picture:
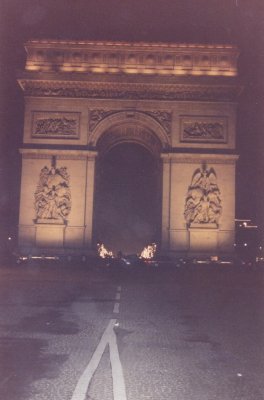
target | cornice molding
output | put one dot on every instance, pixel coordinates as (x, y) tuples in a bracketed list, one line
[(122, 44), (59, 154), (136, 58), (190, 158)]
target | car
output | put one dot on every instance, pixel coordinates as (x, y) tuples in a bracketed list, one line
[(223, 260), (125, 261), (162, 260), (260, 261), (200, 260), (22, 258)]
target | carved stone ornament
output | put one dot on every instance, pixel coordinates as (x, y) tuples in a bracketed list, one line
[(53, 196), (93, 57), (132, 133), (96, 116), (137, 91), (164, 118), (203, 129), (203, 203), (55, 125)]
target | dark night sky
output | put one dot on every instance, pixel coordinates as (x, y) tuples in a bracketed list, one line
[(224, 21)]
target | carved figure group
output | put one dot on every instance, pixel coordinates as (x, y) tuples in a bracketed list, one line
[(53, 197), (213, 130), (203, 203), (56, 126)]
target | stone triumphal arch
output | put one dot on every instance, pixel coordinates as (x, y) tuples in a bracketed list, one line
[(83, 99)]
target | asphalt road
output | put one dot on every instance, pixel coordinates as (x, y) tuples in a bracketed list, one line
[(79, 333)]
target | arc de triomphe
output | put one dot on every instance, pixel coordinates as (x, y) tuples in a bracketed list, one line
[(84, 98)]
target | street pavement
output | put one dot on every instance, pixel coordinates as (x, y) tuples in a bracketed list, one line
[(80, 332)]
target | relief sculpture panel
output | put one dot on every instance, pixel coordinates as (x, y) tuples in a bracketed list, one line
[(204, 129), (55, 125), (203, 202), (53, 195)]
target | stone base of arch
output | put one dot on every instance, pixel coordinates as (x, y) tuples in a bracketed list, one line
[(76, 234), (55, 235), (177, 235)]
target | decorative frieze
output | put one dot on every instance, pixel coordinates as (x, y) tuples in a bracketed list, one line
[(164, 118), (207, 129), (51, 125), (130, 91)]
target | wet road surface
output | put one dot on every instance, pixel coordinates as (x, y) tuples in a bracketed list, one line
[(79, 333)]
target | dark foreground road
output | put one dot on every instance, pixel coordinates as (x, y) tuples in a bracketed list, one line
[(76, 333)]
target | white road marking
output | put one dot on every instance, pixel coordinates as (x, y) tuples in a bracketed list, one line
[(119, 390), (118, 295), (119, 288), (116, 308), (3, 382)]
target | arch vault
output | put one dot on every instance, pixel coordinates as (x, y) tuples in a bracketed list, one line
[(85, 98)]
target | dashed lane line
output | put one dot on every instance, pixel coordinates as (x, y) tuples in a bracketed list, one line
[(116, 308), (118, 296)]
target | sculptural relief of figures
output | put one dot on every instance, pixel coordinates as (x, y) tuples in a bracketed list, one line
[(53, 197), (56, 126), (203, 202), (203, 130)]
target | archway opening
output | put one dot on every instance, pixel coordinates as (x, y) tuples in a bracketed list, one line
[(127, 198)]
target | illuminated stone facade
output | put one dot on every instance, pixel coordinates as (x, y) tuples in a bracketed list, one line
[(84, 98)]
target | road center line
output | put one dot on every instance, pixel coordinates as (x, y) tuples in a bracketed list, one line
[(118, 295), (3, 382), (119, 389), (116, 308), (108, 337), (119, 288)]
